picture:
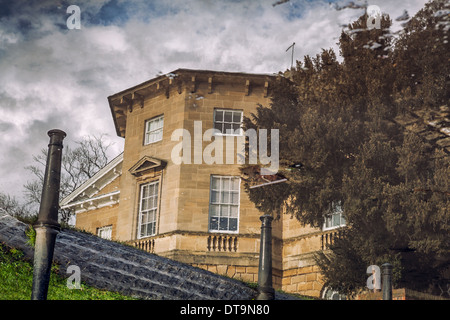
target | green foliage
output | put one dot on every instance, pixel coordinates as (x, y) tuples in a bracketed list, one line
[(421, 63), (338, 120), (31, 235), (16, 277)]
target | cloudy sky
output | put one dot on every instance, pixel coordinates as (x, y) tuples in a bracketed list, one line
[(54, 77)]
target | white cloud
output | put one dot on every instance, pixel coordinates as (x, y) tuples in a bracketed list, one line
[(52, 77)]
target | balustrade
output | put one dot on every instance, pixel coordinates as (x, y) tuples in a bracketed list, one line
[(145, 244), (222, 243), (328, 237)]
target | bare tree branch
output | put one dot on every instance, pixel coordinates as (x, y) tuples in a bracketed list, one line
[(12, 206), (78, 165)]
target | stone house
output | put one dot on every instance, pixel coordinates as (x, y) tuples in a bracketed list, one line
[(163, 194)]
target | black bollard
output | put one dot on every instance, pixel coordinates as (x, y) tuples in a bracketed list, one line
[(386, 275), (47, 226), (265, 289)]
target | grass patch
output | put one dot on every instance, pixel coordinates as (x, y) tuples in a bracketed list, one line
[(16, 277)]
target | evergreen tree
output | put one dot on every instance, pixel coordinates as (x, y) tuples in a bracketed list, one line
[(422, 63), (337, 120)]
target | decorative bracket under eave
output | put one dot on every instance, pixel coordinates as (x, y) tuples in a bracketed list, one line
[(139, 98), (247, 87), (210, 85), (128, 102), (193, 84)]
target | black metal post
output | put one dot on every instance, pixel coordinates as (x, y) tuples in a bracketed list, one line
[(265, 289), (386, 274), (47, 226)]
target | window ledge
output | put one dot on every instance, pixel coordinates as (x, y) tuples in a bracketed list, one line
[(227, 134), (333, 228)]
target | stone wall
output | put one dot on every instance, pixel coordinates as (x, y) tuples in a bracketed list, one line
[(307, 280), (102, 217), (116, 267)]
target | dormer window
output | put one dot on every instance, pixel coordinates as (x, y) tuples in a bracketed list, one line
[(154, 130)]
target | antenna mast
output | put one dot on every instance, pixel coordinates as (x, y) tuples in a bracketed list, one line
[(292, 56)]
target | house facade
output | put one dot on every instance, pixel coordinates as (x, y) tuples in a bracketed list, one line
[(177, 191)]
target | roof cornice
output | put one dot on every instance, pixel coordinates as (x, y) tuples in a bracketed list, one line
[(97, 202), (91, 186), (123, 102)]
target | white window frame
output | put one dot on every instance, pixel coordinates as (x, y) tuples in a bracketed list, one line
[(335, 218), (223, 122), (159, 120), (150, 212), (105, 232), (221, 200)]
